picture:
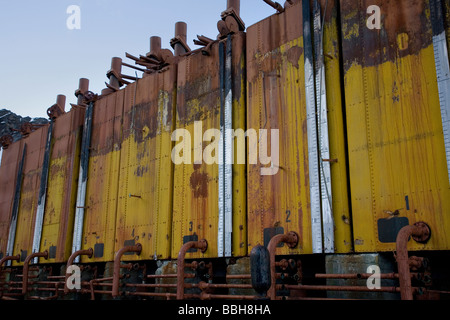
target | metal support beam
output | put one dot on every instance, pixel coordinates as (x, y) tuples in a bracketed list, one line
[(225, 180), (82, 181), (40, 211)]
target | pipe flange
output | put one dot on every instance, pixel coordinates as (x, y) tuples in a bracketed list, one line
[(425, 234), (294, 240), (138, 249), (203, 245)]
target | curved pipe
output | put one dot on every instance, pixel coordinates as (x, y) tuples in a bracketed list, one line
[(3, 260), (202, 245), (291, 239), (420, 232), (26, 265), (8, 258), (116, 274), (89, 252)]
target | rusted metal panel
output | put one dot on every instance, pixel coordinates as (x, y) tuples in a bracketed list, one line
[(36, 142), (398, 166), (8, 176), (196, 183), (279, 203), (102, 185), (61, 191), (146, 171)]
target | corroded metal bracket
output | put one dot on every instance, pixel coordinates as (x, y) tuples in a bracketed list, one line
[(6, 141)]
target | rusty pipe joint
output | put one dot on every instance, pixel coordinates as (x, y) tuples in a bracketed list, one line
[(179, 42), (202, 245), (6, 140), (58, 108), (116, 274), (291, 239), (26, 266), (155, 48), (419, 232), (89, 252), (83, 87), (231, 21), (115, 76)]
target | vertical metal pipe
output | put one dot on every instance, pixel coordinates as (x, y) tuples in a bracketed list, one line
[(89, 252), (155, 47), (420, 231), (235, 4), (26, 265), (83, 87), (116, 273), (291, 239), (61, 101), (181, 32), (116, 68), (202, 245)]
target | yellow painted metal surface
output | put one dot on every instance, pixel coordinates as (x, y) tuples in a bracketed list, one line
[(338, 155), (144, 213), (195, 206), (395, 136), (29, 196), (57, 226), (279, 203), (103, 178)]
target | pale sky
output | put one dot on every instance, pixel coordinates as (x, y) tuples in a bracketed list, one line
[(41, 58)]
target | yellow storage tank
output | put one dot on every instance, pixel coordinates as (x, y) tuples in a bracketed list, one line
[(34, 157), (277, 100), (198, 184), (103, 183), (397, 157), (144, 207), (9, 172), (61, 195)]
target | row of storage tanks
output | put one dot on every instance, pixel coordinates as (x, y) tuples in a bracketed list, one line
[(387, 146)]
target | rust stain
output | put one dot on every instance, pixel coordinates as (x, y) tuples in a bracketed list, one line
[(293, 55), (199, 184), (405, 30)]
